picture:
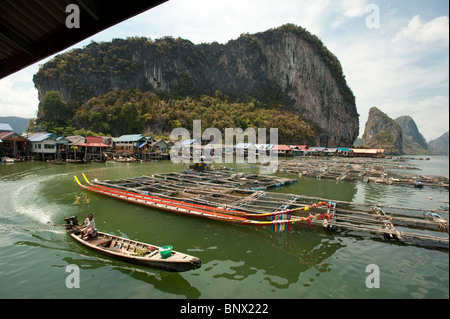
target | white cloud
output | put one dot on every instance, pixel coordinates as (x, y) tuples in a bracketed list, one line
[(429, 32), (208, 21), (399, 75), (429, 114), (432, 116), (353, 8), (345, 10), (18, 97)]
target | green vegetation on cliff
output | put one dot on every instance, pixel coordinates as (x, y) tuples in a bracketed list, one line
[(133, 111)]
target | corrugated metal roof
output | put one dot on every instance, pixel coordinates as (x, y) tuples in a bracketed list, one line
[(5, 127), (94, 141), (13, 135), (130, 138), (281, 148), (76, 139), (42, 137)]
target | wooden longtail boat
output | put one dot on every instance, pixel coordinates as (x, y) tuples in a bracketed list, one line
[(192, 209), (136, 252)]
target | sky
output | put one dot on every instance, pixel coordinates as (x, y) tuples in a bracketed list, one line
[(394, 53)]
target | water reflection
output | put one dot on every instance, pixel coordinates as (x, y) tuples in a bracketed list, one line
[(323, 188), (172, 283), (278, 259)]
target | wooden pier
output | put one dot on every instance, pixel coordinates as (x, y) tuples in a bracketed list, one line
[(250, 193)]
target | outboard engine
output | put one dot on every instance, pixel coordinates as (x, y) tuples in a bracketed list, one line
[(71, 222)]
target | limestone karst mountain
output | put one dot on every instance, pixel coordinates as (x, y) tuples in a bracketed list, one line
[(286, 68), (439, 145), (399, 136)]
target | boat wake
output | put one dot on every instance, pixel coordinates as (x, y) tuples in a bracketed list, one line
[(26, 200)]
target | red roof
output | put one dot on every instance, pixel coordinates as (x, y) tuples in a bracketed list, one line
[(281, 148), (94, 141), (302, 147)]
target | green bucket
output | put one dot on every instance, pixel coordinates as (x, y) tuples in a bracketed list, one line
[(165, 251)]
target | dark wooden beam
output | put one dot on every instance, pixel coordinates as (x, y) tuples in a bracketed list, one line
[(101, 15)]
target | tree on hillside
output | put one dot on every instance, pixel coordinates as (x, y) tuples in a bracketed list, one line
[(55, 109)]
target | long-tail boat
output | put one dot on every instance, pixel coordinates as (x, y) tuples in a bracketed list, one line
[(279, 220), (133, 251)]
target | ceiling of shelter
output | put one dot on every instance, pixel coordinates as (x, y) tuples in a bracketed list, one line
[(31, 30)]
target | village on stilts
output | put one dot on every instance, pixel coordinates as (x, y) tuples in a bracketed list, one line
[(245, 198)]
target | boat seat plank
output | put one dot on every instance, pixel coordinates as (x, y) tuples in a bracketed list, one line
[(153, 254), (113, 243), (99, 241)]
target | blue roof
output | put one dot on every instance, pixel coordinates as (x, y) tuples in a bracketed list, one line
[(62, 140), (130, 138), (142, 144), (42, 137), (5, 127)]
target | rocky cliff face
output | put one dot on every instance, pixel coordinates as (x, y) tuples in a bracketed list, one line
[(399, 136), (413, 141), (287, 67), (439, 146), (382, 132)]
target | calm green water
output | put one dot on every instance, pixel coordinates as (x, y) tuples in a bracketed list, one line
[(238, 261)]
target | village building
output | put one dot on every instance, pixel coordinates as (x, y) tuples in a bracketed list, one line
[(130, 143), (263, 149), (344, 151), (283, 150), (75, 151), (160, 146), (316, 150), (12, 145), (330, 151), (108, 140), (364, 152), (48, 146), (94, 148), (135, 145), (298, 150)]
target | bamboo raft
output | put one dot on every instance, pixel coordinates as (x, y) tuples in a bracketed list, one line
[(223, 177), (239, 199), (361, 169)]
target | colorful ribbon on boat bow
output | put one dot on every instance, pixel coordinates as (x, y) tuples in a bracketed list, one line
[(282, 220)]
